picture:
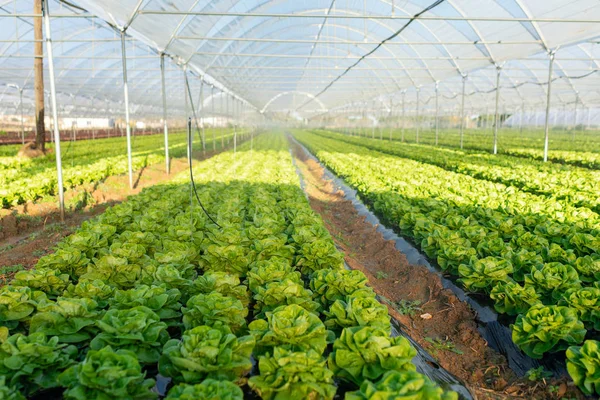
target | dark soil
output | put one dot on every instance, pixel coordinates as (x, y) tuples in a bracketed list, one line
[(418, 300)]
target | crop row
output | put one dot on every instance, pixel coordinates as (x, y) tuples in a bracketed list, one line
[(89, 161), (573, 185), (153, 284), (536, 269)]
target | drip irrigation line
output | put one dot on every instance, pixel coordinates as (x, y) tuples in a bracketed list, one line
[(373, 50), (189, 138)]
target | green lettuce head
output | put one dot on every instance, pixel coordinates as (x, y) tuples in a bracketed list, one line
[(293, 376), (291, 327), (214, 308), (51, 282), (209, 389), (107, 374), (483, 274), (9, 392), (357, 311), (207, 352), (164, 302), (401, 385), (547, 329), (588, 268), (95, 290), (512, 299), (275, 294), (583, 364), (331, 285), (273, 270), (17, 304), (552, 279), (222, 282), (586, 301), (365, 352)]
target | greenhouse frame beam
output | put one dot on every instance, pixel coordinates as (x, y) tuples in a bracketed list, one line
[(368, 17), (498, 71), (263, 55), (417, 115), (126, 101), (346, 42), (462, 110), (548, 99), (60, 188), (164, 104)]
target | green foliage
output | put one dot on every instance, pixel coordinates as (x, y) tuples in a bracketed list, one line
[(214, 308), (552, 279), (331, 285), (95, 290), (293, 376), (401, 385), (207, 352), (107, 374), (68, 260), (222, 282), (291, 327), (319, 255), (547, 329), (357, 311), (538, 374), (72, 320), (33, 363), (512, 299), (164, 302), (365, 352), (275, 294), (137, 329), (17, 304), (209, 389), (49, 281), (9, 392), (274, 270), (586, 301), (483, 274), (588, 268), (583, 364)]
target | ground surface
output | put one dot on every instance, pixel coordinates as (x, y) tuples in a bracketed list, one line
[(451, 334)]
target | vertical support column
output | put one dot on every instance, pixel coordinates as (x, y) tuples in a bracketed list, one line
[(547, 121), (496, 121), (21, 108), (223, 119), (521, 119), (417, 116), (403, 114), (462, 111), (202, 115), (164, 104), (234, 126), (391, 117), (61, 196), (212, 111), (126, 101), (437, 119)]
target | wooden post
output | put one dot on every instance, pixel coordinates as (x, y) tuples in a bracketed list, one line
[(38, 67)]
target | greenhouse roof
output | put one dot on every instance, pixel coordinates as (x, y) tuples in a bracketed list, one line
[(309, 57)]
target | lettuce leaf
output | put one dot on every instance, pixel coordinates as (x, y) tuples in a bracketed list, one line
[(275, 294), (583, 364), (95, 290), (273, 270), (357, 311), (212, 309), (331, 285), (208, 389)]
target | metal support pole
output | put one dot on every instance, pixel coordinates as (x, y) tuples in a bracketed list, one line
[(164, 101), (212, 111), (496, 121), (234, 127), (126, 100), (546, 123), (61, 196), (417, 116), (202, 115), (391, 116), (222, 114), (462, 111), (436, 114), (21, 108)]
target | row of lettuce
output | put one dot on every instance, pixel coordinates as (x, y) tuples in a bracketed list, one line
[(154, 285), (570, 185), (535, 259), (91, 161)]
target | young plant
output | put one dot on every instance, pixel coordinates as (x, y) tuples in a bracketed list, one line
[(586, 301), (275, 294), (552, 279), (357, 311), (583, 364), (209, 389), (274, 270), (222, 282), (483, 274), (207, 352), (330, 285), (96, 290), (214, 308), (513, 299), (17, 304), (164, 302), (293, 376), (51, 282)]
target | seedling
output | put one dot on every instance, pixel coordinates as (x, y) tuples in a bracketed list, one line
[(381, 275), (538, 374), (446, 345), (408, 307)]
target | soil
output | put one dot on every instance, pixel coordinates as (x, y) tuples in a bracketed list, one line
[(433, 316), (30, 231)]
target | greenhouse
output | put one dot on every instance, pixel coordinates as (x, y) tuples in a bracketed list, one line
[(281, 200)]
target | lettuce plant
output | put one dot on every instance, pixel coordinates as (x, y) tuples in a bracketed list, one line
[(555, 253), (273, 246), (207, 352), (66, 260), (588, 268), (137, 329), (552, 279), (318, 255), (483, 274), (449, 257), (493, 247), (95, 290), (523, 262), (291, 327), (286, 292), (232, 258), (586, 301), (107, 374), (547, 329), (164, 302), (33, 363), (116, 271), (222, 282), (584, 243), (17, 304), (365, 352), (357, 311), (293, 376), (331, 285), (71, 320), (512, 299), (209, 389), (214, 308), (273, 270), (9, 392), (530, 242), (583, 364), (401, 385), (49, 281), (172, 278)]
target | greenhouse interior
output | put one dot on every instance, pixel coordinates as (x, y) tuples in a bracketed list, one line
[(341, 199)]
